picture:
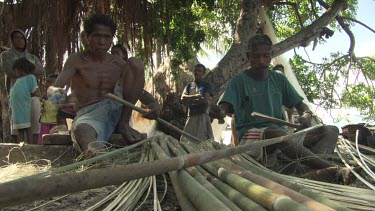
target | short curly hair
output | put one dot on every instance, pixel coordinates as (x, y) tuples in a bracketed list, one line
[(259, 39), (24, 65), (202, 66), (105, 20)]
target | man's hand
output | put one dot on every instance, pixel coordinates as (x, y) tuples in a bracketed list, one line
[(305, 120), (154, 112)]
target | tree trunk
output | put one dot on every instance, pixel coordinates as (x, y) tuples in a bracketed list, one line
[(235, 60), (4, 111)]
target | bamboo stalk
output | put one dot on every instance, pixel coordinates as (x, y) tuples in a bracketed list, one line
[(204, 182), (282, 181), (196, 193), (276, 178), (238, 198), (276, 187), (160, 120), (259, 194), (263, 196), (183, 200), (270, 184), (69, 167)]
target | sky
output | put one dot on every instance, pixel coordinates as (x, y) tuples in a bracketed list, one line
[(365, 46)]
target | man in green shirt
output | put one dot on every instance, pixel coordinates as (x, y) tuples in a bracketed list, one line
[(258, 89)]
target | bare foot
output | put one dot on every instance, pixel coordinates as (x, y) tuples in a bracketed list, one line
[(130, 135), (91, 149), (324, 175), (347, 176)]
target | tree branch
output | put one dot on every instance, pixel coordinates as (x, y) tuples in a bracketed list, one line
[(295, 7), (312, 31), (346, 28), (359, 22)]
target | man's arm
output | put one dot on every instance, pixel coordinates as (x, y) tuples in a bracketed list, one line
[(149, 100), (305, 113), (67, 73), (186, 98)]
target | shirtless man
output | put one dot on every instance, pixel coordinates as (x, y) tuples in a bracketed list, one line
[(94, 73)]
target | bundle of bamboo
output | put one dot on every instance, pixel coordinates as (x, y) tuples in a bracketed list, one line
[(232, 182)]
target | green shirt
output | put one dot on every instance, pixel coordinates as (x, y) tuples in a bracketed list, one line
[(248, 95)]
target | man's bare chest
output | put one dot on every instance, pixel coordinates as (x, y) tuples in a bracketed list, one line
[(94, 74)]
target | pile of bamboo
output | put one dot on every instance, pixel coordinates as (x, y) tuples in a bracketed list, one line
[(235, 184), (205, 177)]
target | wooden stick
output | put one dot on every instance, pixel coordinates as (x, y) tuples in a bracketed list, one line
[(124, 102), (275, 120)]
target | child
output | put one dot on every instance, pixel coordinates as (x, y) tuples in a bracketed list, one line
[(20, 98), (51, 104)]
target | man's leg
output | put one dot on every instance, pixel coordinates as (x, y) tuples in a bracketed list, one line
[(132, 85), (295, 150), (85, 136), (322, 140)]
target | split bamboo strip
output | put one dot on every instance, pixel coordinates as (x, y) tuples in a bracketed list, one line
[(160, 120), (16, 192), (238, 198), (204, 182), (197, 194), (363, 147), (351, 150), (237, 159), (353, 172)]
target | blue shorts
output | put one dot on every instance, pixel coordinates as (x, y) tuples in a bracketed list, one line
[(103, 116)]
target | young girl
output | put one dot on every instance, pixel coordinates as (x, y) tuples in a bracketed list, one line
[(20, 97), (51, 104)]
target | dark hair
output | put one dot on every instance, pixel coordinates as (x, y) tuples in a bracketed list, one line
[(123, 49), (24, 65), (202, 66), (279, 67), (259, 39), (105, 20)]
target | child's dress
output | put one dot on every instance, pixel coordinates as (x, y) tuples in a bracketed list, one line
[(48, 118), (20, 96)]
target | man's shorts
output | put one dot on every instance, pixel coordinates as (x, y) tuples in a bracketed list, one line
[(103, 116)]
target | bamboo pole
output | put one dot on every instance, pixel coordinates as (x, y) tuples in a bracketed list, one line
[(264, 181), (276, 178), (183, 200), (238, 198), (196, 193), (205, 183), (15, 192), (276, 187), (160, 120), (263, 196), (108, 155)]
